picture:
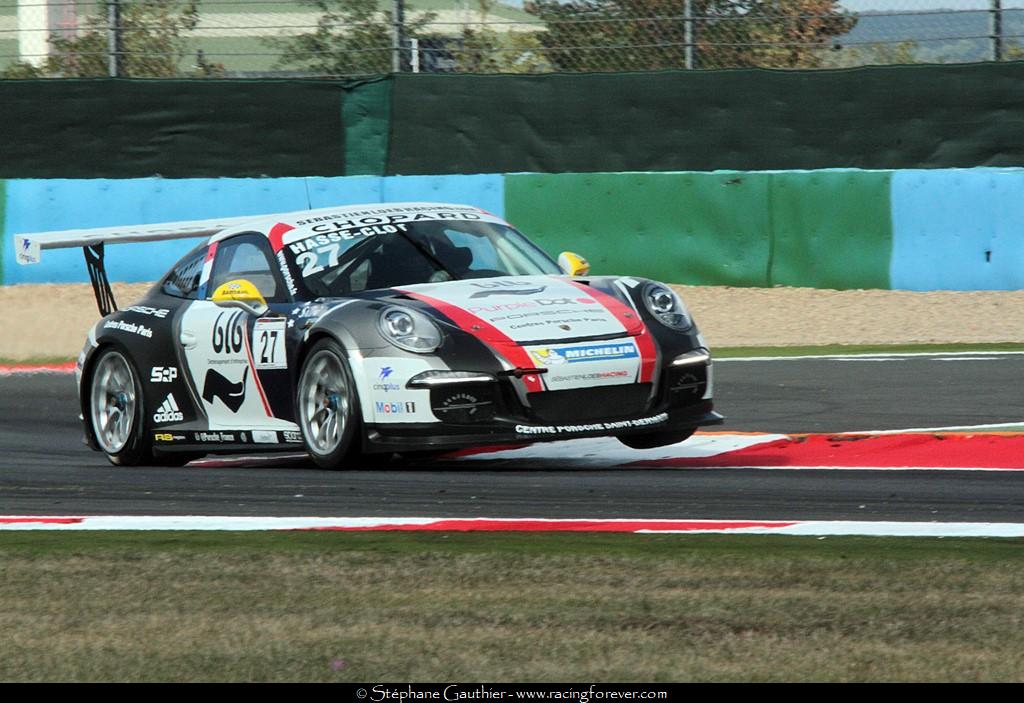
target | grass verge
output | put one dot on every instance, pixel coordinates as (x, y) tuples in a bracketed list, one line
[(507, 607), (37, 361)]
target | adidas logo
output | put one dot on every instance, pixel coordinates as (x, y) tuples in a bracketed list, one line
[(168, 411)]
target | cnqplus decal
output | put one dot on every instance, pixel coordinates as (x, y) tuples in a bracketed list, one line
[(383, 383)]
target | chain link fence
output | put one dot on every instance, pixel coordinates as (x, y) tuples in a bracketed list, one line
[(351, 38)]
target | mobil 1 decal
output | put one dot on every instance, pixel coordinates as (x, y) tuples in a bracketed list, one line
[(384, 393), (224, 346)]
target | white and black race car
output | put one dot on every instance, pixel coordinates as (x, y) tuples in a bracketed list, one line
[(407, 327)]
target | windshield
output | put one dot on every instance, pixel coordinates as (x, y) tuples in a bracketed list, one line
[(392, 255)]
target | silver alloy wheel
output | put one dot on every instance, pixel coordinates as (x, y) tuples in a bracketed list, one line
[(323, 402), (112, 402)]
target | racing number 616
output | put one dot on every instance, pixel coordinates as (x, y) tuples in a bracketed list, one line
[(230, 336)]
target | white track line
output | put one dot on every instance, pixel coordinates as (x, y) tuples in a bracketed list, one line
[(797, 527), (955, 428), (879, 356)]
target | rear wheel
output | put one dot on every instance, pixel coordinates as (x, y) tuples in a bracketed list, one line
[(328, 405), (115, 409), (651, 440)]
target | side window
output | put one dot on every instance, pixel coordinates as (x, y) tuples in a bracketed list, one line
[(183, 280), (247, 256)]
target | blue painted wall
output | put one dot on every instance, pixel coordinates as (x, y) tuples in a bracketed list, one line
[(958, 229), (55, 204)]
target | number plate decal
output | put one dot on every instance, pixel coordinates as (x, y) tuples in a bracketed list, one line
[(268, 344)]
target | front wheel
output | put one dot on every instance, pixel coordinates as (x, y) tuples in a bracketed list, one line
[(115, 409), (651, 440), (328, 405)]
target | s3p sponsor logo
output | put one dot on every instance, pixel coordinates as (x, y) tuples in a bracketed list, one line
[(168, 411), (163, 374)]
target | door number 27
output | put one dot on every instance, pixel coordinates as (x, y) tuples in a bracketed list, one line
[(268, 343)]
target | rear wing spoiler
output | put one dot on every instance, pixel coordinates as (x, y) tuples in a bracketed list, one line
[(28, 247)]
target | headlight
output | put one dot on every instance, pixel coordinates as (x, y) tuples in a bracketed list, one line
[(409, 329), (664, 304)]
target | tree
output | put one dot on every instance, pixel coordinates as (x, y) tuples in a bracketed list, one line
[(152, 41), (642, 35), (351, 38), (875, 54), (483, 50)]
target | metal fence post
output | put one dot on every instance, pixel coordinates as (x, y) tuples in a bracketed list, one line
[(114, 49), (397, 35), (996, 29), (688, 32)]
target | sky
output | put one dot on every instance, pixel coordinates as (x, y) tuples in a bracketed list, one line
[(898, 5), (911, 5)]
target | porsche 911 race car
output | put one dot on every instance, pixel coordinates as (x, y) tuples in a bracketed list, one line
[(407, 327)]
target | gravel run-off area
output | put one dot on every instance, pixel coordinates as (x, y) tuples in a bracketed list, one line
[(47, 321)]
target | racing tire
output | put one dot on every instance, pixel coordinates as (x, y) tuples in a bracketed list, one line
[(116, 407), (650, 440), (328, 405)]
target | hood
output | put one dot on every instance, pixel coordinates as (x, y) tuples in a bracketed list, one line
[(525, 309)]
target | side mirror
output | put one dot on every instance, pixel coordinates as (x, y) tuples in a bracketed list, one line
[(573, 264), (242, 294)]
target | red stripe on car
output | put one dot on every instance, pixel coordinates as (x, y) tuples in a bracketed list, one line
[(276, 235), (501, 343), (256, 376), (634, 326)]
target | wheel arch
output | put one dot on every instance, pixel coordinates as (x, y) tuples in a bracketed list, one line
[(84, 391), (315, 337)]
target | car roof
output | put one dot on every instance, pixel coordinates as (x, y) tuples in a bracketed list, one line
[(365, 214)]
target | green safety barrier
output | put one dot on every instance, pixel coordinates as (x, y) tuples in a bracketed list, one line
[(110, 128), (830, 229), (366, 117), (937, 116), (700, 228), (433, 124), (817, 229)]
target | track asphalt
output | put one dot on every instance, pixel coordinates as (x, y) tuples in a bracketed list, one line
[(45, 470)]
